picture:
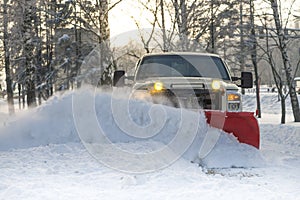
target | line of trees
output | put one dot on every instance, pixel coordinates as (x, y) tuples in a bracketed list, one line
[(249, 37), (44, 43)]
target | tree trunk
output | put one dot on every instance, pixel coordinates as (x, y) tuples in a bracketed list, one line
[(182, 23), (28, 51), (254, 57), (165, 46), (49, 48), (9, 88), (212, 28), (242, 45), (283, 111), (104, 34)]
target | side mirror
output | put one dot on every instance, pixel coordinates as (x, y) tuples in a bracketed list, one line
[(246, 80), (119, 78)]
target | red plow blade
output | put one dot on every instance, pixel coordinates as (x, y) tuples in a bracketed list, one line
[(243, 125)]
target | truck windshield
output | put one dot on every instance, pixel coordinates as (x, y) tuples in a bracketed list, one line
[(182, 66)]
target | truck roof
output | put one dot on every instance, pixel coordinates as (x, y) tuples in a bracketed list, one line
[(183, 54)]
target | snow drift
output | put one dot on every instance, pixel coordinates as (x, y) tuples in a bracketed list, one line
[(119, 131)]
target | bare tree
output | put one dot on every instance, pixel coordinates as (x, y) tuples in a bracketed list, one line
[(282, 46), (276, 51), (147, 35), (94, 20), (270, 54)]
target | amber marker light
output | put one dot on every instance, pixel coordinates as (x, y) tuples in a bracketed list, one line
[(233, 97)]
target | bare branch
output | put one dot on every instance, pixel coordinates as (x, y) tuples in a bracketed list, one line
[(114, 5)]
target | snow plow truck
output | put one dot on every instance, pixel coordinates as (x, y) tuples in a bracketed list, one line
[(195, 81)]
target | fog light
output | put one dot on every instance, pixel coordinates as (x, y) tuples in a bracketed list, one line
[(233, 106)]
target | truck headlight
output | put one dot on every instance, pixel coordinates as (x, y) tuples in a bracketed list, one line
[(216, 85), (156, 88)]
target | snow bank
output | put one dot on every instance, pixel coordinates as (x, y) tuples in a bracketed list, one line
[(50, 123), (270, 103), (137, 128)]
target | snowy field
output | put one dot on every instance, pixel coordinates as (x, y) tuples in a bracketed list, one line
[(45, 153)]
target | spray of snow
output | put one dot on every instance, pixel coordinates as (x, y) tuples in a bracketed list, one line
[(135, 136)]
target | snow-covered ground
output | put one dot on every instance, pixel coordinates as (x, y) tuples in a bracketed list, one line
[(46, 153)]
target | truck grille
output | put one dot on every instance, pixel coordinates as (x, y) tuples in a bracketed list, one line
[(202, 98)]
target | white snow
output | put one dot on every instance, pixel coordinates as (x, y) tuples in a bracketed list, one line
[(57, 151)]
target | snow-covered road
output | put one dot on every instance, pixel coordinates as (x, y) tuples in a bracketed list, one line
[(68, 171)]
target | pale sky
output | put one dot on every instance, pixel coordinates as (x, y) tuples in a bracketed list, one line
[(121, 18)]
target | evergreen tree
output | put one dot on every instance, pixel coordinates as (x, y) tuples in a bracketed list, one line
[(9, 86)]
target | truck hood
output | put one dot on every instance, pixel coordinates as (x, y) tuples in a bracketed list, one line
[(184, 83)]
